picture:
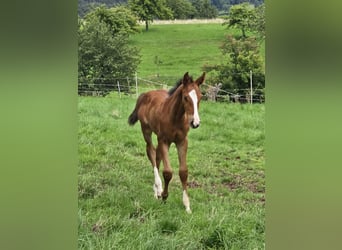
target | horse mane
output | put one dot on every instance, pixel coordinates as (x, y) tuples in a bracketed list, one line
[(178, 84)]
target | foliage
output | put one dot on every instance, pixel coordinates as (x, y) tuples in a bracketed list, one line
[(204, 9), (84, 6), (103, 49), (259, 23), (148, 10), (224, 5), (116, 207), (221, 5), (241, 54), (182, 9), (119, 19), (240, 57), (241, 16), (247, 18)]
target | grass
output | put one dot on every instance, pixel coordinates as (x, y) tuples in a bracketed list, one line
[(181, 48), (117, 209)]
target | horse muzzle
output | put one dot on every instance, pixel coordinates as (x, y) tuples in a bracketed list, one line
[(194, 125)]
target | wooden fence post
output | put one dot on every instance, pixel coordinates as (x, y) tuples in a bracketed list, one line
[(119, 88), (136, 84)]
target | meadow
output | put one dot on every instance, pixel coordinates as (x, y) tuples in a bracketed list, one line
[(180, 48), (117, 209)]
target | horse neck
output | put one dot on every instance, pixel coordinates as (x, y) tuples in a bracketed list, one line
[(175, 106)]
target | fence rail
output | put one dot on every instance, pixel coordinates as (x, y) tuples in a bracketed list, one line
[(134, 86)]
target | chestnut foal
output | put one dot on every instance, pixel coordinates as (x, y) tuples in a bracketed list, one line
[(169, 115)]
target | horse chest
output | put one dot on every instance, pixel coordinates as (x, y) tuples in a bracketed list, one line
[(171, 135)]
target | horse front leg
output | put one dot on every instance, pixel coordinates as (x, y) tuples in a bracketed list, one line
[(157, 187), (163, 154), (182, 148), (155, 161)]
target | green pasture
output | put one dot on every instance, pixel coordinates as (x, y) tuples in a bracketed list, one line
[(117, 209), (180, 48)]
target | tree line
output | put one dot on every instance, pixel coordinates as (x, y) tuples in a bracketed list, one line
[(104, 51), (182, 9)]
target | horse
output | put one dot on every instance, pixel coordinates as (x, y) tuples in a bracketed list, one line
[(169, 115)]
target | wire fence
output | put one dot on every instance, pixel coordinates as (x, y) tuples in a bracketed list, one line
[(133, 86)]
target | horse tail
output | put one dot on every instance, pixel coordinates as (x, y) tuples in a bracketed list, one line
[(133, 118)]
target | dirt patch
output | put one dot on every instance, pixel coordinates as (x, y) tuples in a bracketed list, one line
[(194, 184), (232, 185), (239, 182)]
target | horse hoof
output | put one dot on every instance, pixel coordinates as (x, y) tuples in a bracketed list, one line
[(188, 210), (157, 192), (164, 196)]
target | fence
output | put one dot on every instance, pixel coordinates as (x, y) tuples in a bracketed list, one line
[(133, 86), (215, 93), (103, 86)]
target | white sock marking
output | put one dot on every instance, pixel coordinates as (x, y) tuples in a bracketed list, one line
[(157, 187), (193, 96), (186, 202)]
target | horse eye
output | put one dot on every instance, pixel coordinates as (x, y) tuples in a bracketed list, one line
[(186, 98)]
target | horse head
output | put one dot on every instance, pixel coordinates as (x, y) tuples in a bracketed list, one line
[(191, 97)]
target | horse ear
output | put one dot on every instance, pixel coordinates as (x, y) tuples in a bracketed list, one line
[(200, 80), (186, 78)]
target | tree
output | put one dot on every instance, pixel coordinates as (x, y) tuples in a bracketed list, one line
[(182, 9), (259, 22), (119, 19), (241, 16), (148, 10), (240, 57), (248, 18), (103, 49), (224, 5), (204, 9), (84, 6)]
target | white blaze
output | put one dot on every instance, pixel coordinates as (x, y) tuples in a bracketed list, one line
[(193, 96)]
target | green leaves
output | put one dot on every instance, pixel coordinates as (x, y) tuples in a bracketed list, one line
[(103, 51), (241, 54), (204, 9), (247, 18), (119, 19), (182, 9), (147, 10)]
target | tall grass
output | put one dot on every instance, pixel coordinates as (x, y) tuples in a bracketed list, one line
[(117, 209)]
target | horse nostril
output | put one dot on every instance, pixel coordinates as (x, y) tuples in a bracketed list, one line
[(194, 125)]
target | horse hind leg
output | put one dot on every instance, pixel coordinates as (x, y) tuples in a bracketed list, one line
[(151, 154)]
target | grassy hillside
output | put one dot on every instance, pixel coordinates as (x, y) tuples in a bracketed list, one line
[(117, 209), (180, 47)]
